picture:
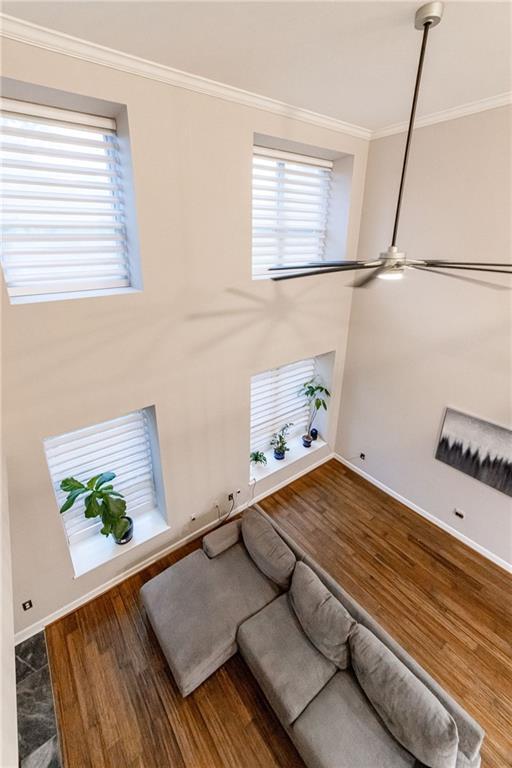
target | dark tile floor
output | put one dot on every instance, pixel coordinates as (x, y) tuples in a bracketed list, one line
[(37, 729)]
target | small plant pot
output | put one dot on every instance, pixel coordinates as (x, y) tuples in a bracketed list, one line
[(129, 533), (306, 441), (314, 433), (279, 455)]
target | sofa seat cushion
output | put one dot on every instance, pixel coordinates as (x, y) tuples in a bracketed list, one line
[(269, 551), (340, 729), (286, 665), (412, 713), (324, 619), (196, 606)]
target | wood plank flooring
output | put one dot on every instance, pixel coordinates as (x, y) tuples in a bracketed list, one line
[(117, 704)]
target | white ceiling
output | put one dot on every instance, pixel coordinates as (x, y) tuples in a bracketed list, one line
[(354, 61)]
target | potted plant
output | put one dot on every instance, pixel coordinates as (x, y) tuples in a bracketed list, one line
[(257, 457), (101, 500), (315, 393), (279, 442)]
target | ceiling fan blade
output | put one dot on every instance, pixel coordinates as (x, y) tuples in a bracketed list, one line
[(319, 272), (323, 265), (440, 265), (447, 262), (493, 286), (367, 279)]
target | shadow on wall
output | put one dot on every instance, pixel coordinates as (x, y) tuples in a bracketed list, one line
[(281, 308)]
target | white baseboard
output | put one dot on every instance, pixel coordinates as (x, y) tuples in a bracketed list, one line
[(33, 629), (423, 512)]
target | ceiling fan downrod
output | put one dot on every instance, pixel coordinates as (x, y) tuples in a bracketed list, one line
[(427, 16), (394, 261)]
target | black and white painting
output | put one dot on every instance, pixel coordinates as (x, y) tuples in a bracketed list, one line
[(478, 448)]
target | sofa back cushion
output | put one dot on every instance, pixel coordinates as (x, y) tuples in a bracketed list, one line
[(324, 620), (414, 716), (471, 734), (267, 549)]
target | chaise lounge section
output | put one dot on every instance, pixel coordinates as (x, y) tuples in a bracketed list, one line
[(347, 694), (196, 606)]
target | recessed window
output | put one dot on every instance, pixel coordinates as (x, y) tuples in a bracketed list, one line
[(279, 398), (127, 446), (275, 401), (63, 203), (291, 196)]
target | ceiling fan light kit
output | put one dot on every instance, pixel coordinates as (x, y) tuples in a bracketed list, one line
[(393, 263)]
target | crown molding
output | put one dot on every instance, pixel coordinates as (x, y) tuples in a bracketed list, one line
[(471, 108), (59, 42), (22, 31)]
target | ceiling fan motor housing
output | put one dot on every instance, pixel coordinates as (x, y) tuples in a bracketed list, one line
[(430, 13), (393, 257)]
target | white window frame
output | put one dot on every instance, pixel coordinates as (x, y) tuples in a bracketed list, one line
[(126, 445), (291, 199), (52, 247), (275, 401)]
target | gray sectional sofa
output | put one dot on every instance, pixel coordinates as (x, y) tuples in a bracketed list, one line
[(347, 694)]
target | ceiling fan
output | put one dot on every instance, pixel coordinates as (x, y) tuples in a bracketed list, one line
[(392, 264)]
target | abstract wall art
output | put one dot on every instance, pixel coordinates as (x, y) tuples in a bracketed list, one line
[(478, 448)]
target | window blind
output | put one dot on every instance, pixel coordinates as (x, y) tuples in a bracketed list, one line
[(123, 446), (290, 207), (275, 400), (63, 220)]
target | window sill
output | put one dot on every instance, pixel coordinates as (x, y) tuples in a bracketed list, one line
[(66, 295), (296, 452), (95, 550), (267, 275)]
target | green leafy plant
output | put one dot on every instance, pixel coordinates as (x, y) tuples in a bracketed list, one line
[(101, 500), (315, 393), (278, 441), (257, 457)]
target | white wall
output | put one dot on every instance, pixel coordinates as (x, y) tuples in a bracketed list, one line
[(426, 342), (188, 343)]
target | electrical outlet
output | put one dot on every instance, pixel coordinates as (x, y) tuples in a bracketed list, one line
[(230, 497), (362, 456), (458, 513), (27, 605)]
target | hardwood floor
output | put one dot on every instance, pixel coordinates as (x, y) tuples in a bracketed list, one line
[(118, 706)]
